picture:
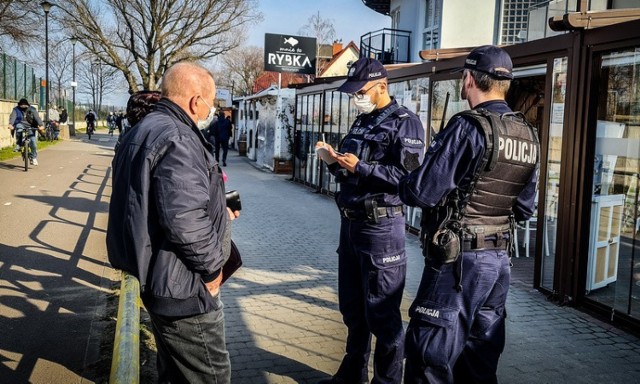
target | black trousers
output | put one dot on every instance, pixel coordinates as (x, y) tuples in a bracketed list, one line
[(225, 148)]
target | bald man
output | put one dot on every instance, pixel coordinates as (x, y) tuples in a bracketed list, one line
[(167, 218)]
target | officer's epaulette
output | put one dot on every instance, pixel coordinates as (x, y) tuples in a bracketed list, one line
[(401, 113)]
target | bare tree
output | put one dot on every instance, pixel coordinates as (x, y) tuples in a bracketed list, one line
[(96, 78), (322, 29), (60, 62), (142, 38), (16, 17), (240, 68)]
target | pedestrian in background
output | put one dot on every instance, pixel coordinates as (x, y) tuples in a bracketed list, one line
[(220, 129), (384, 144), (64, 117), (138, 106), (167, 218), (54, 121), (470, 190), (54, 115), (206, 132), (232, 132), (119, 122)]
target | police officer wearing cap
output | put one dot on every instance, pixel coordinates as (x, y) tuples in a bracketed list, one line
[(385, 143), (478, 177)]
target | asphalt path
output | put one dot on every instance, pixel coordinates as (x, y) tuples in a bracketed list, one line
[(55, 279)]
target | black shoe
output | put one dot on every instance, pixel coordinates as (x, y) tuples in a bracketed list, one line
[(224, 164), (339, 380)]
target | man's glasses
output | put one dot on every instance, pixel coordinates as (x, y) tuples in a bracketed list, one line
[(360, 94)]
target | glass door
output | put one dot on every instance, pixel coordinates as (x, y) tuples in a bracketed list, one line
[(613, 272), (552, 177)]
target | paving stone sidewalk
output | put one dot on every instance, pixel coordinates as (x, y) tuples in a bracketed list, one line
[(282, 318)]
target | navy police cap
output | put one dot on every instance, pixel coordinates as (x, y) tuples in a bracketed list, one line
[(360, 73), (492, 60)]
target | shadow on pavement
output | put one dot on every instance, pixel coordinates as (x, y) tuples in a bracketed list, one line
[(56, 288)]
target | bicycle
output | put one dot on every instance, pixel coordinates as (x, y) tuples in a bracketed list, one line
[(49, 133), (90, 128), (112, 127), (25, 149)]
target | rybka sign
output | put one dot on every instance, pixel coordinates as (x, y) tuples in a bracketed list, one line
[(286, 53)]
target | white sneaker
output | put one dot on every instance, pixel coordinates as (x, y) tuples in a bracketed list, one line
[(16, 149), (34, 161)]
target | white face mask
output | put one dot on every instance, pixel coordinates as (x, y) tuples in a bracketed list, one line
[(202, 124), (363, 104)]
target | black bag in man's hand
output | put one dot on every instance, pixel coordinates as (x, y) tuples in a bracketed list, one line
[(232, 264), (233, 201)]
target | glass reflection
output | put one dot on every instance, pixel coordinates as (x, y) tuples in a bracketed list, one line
[(613, 274)]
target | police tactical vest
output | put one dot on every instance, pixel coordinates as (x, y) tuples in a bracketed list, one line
[(511, 155), (358, 140)]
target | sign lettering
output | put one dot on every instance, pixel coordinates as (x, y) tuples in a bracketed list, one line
[(286, 53)]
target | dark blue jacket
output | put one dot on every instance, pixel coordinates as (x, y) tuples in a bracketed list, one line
[(220, 129), (451, 161), (167, 212), (393, 148)]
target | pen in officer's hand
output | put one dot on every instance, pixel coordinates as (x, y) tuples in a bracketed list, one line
[(325, 144)]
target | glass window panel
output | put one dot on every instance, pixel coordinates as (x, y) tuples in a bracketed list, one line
[(602, 257), (614, 261), (603, 231), (446, 95), (554, 152)]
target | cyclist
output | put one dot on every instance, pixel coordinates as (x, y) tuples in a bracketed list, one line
[(91, 118), (24, 120), (111, 122)]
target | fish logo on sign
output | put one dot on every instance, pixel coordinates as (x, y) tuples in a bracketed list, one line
[(291, 41)]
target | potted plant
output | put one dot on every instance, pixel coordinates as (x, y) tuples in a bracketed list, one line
[(282, 164)]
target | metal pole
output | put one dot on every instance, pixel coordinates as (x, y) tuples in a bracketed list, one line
[(46, 55), (73, 112)]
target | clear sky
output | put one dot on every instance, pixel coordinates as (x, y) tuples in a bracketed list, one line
[(351, 18)]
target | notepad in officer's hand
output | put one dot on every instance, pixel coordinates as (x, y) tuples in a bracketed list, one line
[(324, 155)]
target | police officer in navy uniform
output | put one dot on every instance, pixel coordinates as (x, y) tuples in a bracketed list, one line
[(478, 176), (385, 143)]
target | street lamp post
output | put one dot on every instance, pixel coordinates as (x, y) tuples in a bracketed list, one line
[(46, 6), (97, 85), (74, 84)]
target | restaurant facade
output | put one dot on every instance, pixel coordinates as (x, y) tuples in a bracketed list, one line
[(581, 90)]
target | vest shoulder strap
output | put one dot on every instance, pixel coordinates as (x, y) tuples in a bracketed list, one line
[(488, 121)]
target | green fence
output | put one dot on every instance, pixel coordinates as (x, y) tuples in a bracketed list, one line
[(17, 80)]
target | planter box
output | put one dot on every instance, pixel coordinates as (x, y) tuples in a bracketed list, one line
[(282, 166), (242, 148)]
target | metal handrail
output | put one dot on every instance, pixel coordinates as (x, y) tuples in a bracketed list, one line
[(387, 45), (125, 362)]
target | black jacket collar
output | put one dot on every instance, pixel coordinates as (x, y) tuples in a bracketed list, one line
[(178, 113)]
